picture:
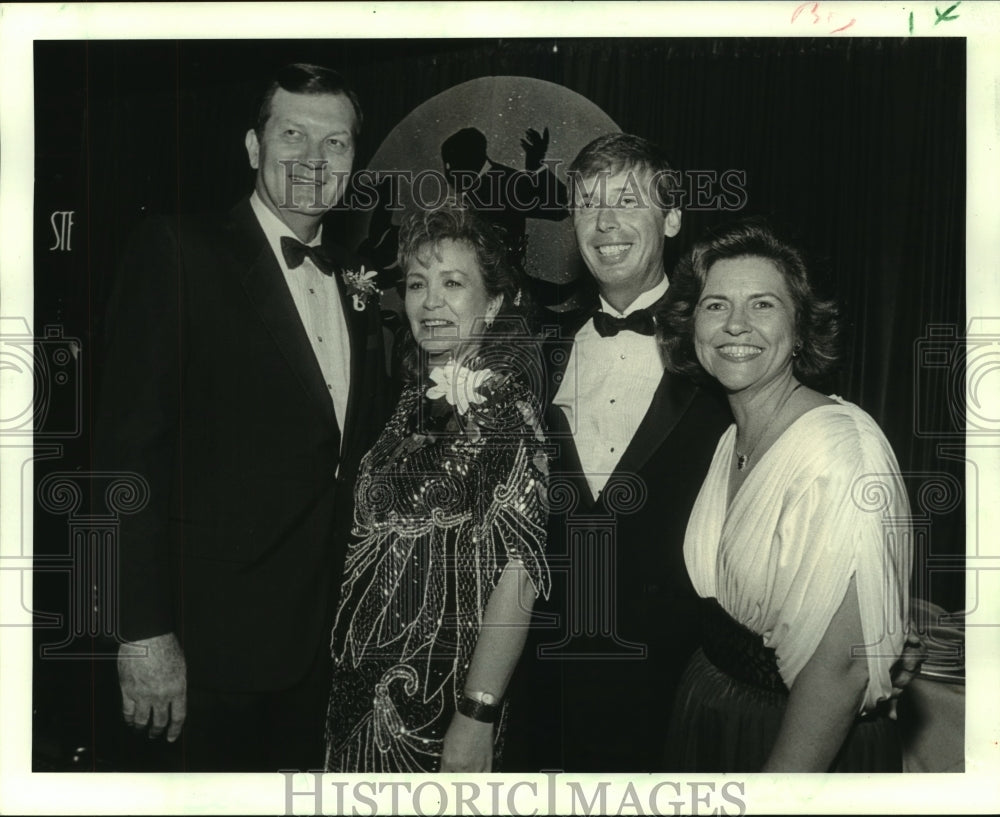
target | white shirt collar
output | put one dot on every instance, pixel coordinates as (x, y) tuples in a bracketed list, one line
[(647, 298), (274, 228)]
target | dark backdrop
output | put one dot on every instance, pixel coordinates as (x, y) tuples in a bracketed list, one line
[(855, 145)]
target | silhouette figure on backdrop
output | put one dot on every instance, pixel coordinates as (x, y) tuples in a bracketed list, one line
[(504, 196)]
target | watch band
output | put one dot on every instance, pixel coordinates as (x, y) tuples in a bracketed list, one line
[(479, 710)]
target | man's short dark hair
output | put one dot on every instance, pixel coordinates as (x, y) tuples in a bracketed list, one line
[(622, 152), (303, 78)]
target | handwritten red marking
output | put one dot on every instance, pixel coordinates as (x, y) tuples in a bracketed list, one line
[(832, 17), (813, 8)]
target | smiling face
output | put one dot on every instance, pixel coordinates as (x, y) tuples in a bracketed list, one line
[(620, 233), (303, 156), (446, 299), (744, 324)]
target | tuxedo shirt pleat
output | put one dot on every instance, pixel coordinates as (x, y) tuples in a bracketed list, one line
[(607, 389), (317, 299)]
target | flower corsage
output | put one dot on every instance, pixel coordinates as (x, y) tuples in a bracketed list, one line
[(453, 393), (458, 385), (361, 287)]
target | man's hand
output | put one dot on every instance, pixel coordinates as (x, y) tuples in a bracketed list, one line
[(906, 668), (468, 746), (154, 685), (535, 146)]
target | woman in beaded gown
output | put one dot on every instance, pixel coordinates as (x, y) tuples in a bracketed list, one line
[(799, 540), (447, 550)]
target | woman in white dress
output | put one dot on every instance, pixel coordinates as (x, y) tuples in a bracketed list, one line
[(800, 538)]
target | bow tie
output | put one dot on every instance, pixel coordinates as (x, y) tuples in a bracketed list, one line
[(640, 321), (295, 253)]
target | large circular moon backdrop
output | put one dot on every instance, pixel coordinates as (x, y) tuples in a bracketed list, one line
[(503, 109)]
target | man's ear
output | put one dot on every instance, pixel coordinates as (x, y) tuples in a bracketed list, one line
[(253, 149), (672, 223)]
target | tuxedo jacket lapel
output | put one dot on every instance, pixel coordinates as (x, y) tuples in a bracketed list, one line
[(558, 350), (671, 399), (264, 284), (358, 326), (566, 468)]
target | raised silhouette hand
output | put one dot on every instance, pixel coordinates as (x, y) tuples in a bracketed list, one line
[(535, 146)]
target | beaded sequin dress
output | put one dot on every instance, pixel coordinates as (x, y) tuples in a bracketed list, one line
[(444, 501)]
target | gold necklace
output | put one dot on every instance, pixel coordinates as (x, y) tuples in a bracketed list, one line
[(743, 459)]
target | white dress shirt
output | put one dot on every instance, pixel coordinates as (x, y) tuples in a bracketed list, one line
[(607, 389), (317, 299)]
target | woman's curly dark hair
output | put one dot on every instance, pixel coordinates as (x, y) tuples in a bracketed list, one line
[(817, 320), (516, 322)]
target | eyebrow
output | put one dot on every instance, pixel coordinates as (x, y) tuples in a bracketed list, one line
[(449, 271), (767, 294), (287, 121)]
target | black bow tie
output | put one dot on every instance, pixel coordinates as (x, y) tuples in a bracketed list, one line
[(295, 253), (640, 321)]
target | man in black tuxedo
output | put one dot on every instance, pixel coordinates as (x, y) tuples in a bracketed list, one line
[(244, 380), (634, 443)]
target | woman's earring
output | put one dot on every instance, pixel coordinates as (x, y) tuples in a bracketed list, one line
[(492, 310), (796, 349)]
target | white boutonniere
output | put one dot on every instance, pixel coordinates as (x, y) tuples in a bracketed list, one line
[(458, 385), (361, 287)]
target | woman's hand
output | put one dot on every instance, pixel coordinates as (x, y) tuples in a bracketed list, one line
[(468, 746), (906, 668)]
